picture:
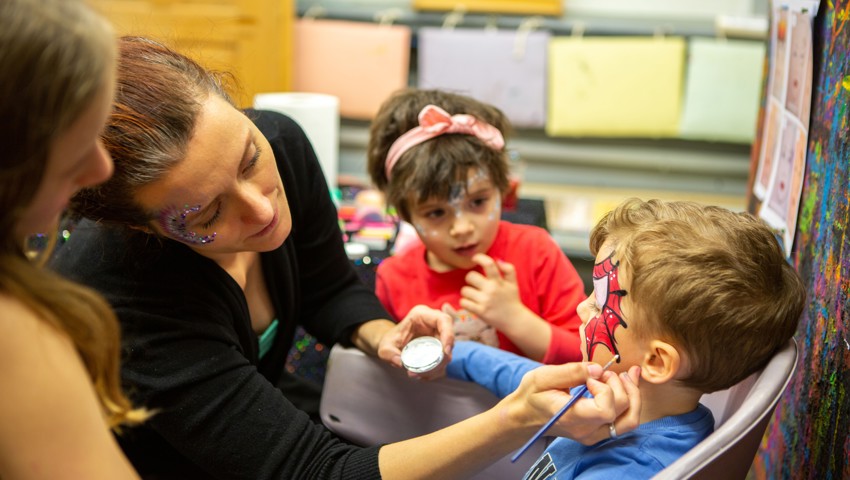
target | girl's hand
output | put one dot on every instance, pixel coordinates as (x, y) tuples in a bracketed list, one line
[(494, 296)]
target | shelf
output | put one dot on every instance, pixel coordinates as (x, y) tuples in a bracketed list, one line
[(663, 164), (590, 18)]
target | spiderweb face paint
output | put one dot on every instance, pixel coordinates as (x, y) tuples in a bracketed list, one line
[(601, 328), (173, 221)]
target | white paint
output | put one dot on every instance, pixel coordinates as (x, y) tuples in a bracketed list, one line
[(422, 354)]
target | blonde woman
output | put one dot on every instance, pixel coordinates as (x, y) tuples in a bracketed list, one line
[(59, 343)]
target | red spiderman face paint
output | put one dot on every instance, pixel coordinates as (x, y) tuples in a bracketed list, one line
[(601, 328)]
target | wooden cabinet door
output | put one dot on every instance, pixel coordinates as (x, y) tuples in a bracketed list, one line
[(252, 39)]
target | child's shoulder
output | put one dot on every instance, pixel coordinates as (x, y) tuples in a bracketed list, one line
[(404, 260), (668, 438), (521, 230), (517, 236)]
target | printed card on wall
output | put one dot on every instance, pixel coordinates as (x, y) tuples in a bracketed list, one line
[(722, 89), (361, 63), (778, 181), (505, 68), (615, 86)]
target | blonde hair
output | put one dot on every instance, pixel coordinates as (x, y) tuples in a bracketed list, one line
[(55, 56), (710, 281)]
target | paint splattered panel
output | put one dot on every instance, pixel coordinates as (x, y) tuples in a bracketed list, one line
[(808, 437)]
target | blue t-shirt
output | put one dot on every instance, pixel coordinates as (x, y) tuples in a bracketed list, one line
[(640, 453)]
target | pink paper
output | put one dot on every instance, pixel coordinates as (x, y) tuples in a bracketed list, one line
[(361, 63)]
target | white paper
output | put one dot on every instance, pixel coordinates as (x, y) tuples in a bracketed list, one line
[(318, 115)]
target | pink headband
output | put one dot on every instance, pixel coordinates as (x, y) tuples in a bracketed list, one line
[(433, 122)]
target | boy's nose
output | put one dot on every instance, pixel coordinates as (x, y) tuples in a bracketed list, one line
[(462, 226)]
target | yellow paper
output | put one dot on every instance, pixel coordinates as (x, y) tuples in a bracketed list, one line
[(615, 86)]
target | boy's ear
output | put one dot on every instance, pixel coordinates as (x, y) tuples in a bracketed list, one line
[(661, 363)]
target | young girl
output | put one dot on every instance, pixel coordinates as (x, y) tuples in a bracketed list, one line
[(440, 159), (59, 348)]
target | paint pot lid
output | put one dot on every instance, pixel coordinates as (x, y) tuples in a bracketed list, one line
[(422, 354)]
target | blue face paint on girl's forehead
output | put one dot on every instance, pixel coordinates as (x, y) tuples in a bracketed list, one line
[(173, 221)]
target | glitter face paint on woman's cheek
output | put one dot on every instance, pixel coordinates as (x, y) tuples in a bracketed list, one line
[(600, 330), (173, 221)]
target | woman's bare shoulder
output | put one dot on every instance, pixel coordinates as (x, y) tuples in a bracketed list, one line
[(51, 422), (27, 337)]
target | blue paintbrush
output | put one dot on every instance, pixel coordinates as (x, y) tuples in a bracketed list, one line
[(579, 393)]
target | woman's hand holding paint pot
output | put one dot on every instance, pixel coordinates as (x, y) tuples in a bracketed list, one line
[(421, 321)]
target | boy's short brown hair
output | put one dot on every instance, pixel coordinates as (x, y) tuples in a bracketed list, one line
[(711, 282), (430, 169)]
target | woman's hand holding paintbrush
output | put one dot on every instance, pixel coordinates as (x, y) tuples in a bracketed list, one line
[(616, 400)]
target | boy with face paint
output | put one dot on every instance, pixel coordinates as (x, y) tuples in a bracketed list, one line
[(440, 159), (693, 299)]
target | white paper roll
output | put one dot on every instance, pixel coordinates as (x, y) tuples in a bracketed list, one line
[(318, 115)]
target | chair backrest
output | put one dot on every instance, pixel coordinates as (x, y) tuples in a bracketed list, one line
[(741, 415), (369, 402)]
